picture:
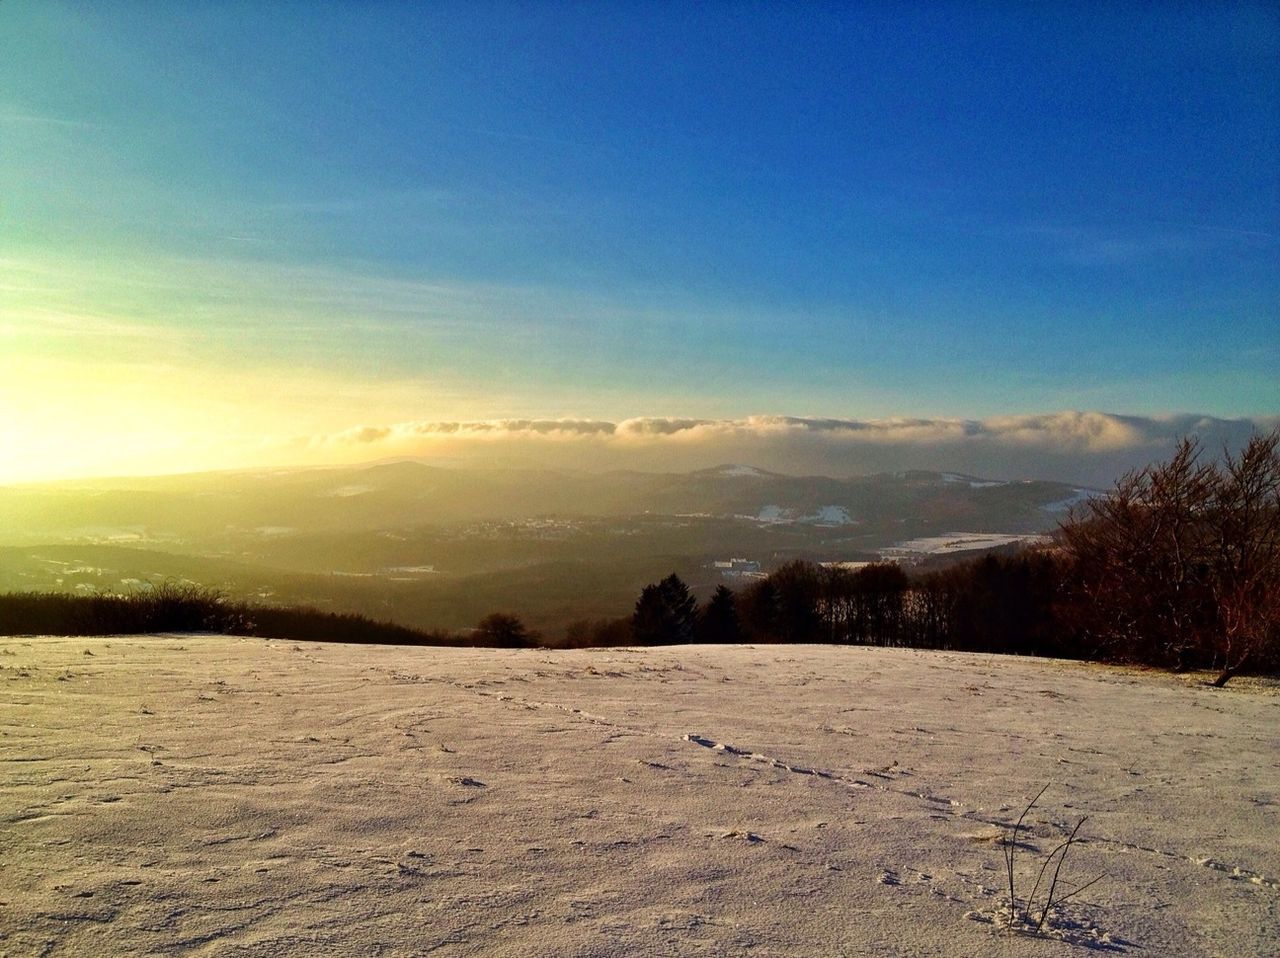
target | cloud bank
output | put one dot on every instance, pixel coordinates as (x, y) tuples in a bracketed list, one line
[(1084, 447)]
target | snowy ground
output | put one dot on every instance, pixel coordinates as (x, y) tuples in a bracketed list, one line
[(957, 542), (214, 796)]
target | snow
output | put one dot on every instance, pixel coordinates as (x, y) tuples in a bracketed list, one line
[(1066, 505), (772, 513), (743, 471), (183, 794), (957, 542), (973, 483), (830, 516), (824, 515), (346, 492)]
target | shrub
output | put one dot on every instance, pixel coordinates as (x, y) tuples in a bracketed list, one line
[(597, 633), (499, 630)]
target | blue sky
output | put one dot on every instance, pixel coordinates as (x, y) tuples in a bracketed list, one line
[(549, 209)]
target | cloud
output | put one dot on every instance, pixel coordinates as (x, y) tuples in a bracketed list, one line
[(1075, 430), (476, 429), (1089, 447), (554, 428), (1084, 431), (364, 434), (655, 428)]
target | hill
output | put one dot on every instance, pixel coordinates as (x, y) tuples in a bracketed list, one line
[(437, 547)]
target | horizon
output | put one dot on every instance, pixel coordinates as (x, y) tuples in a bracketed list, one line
[(1090, 450), (244, 237)]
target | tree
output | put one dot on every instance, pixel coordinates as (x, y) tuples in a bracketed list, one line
[(1180, 564), (502, 631), (719, 620), (758, 610), (837, 604), (877, 592), (1135, 555), (666, 613), (1245, 542), (798, 587)]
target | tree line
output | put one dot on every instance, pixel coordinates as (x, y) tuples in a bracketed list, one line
[(187, 607), (1178, 567)]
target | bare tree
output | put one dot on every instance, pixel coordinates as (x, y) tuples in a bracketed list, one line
[(1180, 563), (1245, 531), (502, 631)]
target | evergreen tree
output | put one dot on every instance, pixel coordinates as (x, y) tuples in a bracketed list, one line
[(683, 606), (665, 613), (719, 621), (650, 623)]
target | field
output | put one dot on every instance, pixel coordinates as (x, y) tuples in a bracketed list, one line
[(221, 796)]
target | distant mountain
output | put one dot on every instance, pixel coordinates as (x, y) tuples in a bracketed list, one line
[(439, 547), (410, 494)]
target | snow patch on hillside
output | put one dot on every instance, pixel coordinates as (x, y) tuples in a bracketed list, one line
[(831, 516), (346, 492), (973, 483), (772, 513), (1069, 503), (956, 542), (823, 516)]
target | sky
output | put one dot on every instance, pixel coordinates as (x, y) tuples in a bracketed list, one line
[(239, 233)]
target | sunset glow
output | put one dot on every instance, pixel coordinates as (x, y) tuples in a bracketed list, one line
[(394, 214)]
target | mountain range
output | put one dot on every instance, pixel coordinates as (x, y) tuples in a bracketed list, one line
[(437, 546)]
